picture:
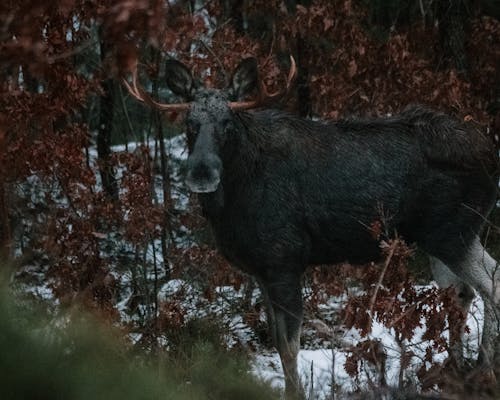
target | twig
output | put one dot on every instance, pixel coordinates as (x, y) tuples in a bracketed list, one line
[(217, 59), (382, 274), (4, 32), (271, 48), (71, 52), (486, 220), (412, 307), (127, 116), (422, 10), (311, 386), (333, 381)]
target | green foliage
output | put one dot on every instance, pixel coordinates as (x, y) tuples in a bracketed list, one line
[(86, 360)]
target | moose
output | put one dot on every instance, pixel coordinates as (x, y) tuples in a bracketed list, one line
[(283, 192)]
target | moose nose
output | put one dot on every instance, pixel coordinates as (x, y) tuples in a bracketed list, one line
[(202, 171), (203, 175)]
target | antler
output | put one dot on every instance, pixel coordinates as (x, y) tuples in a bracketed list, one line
[(264, 96), (140, 94)]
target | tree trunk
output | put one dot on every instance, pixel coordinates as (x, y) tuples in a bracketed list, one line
[(452, 15), (104, 133), (5, 234), (304, 105), (234, 10)]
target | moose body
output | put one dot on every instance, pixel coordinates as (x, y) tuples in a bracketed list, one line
[(282, 193), (296, 192)]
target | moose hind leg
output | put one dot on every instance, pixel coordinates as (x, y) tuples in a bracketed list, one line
[(485, 272), (481, 271), (284, 298), (465, 294)]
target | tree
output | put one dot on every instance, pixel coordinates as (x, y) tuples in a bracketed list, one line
[(104, 131)]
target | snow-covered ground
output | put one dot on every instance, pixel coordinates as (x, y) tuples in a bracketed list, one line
[(322, 368)]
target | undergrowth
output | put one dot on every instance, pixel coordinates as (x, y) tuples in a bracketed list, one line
[(77, 357)]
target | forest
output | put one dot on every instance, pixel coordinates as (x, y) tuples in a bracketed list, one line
[(111, 283)]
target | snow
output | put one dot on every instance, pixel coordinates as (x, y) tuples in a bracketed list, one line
[(314, 366)]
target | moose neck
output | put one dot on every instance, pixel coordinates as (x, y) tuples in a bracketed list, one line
[(242, 152), (240, 157)]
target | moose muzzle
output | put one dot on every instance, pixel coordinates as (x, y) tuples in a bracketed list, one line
[(203, 173)]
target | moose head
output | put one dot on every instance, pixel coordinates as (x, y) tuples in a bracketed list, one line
[(210, 114)]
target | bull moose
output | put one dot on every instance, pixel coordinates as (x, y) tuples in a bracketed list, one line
[(283, 192)]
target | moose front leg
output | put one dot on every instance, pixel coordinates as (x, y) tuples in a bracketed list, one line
[(284, 301)]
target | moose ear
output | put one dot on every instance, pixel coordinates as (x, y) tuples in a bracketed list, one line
[(179, 78), (245, 78)]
